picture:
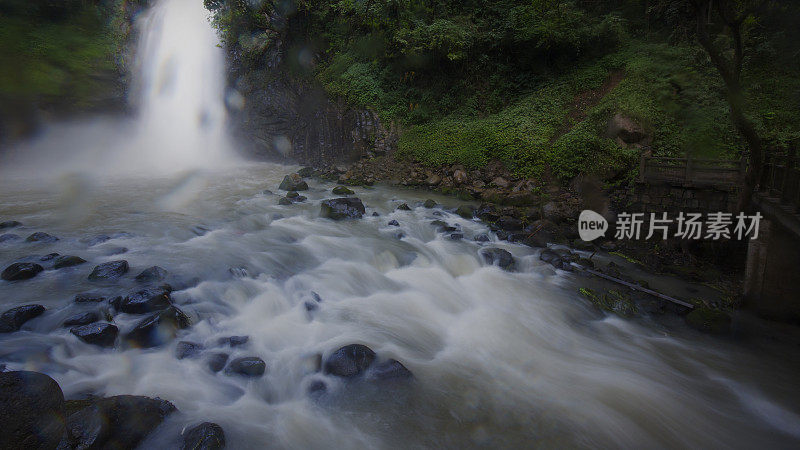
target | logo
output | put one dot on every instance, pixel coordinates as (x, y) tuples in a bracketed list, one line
[(591, 225)]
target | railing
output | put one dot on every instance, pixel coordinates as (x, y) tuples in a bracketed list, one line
[(692, 172), (780, 178)]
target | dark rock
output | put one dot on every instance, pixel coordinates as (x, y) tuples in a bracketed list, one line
[(239, 272), (487, 213), (267, 192), (9, 224), (342, 208), (284, 201), (429, 203), (41, 237), (375, 214), (483, 237), (317, 387), (158, 328), (21, 271), (499, 257), (394, 223), (68, 261), (111, 251), (306, 172), (341, 190), (200, 230), (216, 361), (709, 320), (31, 411), (8, 237), (186, 349), (234, 341), (293, 182), (443, 227), (349, 361), (404, 207), (249, 366), (151, 274), (390, 369), (48, 257), (292, 194), (465, 211), (456, 236), (144, 301), (109, 271), (206, 436), (82, 319), (101, 334), (119, 422), (14, 318), (89, 297), (509, 223), (310, 306), (99, 239), (548, 255)]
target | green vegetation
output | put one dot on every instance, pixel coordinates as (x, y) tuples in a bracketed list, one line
[(472, 81), (66, 54)]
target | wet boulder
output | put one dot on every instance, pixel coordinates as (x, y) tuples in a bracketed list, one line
[(429, 203), (100, 334), (41, 237), (389, 370), (709, 320), (9, 237), (84, 318), (144, 301), (119, 422), (293, 182), (186, 349), (465, 211), (341, 190), (21, 271), (151, 274), (349, 361), (14, 318), (158, 328), (404, 207), (306, 172), (109, 271), (498, 257), (249, 366), (233, 341), (206, 436), (393, 223), (31, 411), (9, 224), (68, 261), (342, 208)]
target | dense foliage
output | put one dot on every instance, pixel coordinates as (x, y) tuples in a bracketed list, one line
[(471, 81)]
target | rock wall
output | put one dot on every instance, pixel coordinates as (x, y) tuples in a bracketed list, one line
[(673, 199), (284, 117)]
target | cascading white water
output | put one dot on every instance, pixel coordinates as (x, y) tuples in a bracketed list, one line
[(181, 86), (178, 95)]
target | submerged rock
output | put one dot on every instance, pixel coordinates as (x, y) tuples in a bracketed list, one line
[(158, 328), (21, 271), (41, 237), (68, 261), (31, 411), (342, 208), (89, 297), (186, 349), (109, 271), (293, 182), (119, 422), (499, 257), (144, 301), (82, 319), (206, 436), (233, 341), (388, 370), (709, 320), (9, 224), (99, 239), (8, 237), (154, 273), (249, 366), (429, 203), (216, 361), (101, 334), (14, 318), (349, 361)]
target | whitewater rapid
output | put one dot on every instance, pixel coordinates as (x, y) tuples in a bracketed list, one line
[(501, 359)]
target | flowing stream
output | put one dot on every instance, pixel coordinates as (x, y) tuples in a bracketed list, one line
[(500, 359)]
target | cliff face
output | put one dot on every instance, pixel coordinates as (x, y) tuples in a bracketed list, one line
[(281, 116)]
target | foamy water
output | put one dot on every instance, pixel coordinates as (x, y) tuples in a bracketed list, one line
[(500, 359)]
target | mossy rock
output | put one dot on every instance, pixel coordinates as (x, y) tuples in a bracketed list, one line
[(709, 320), (341, 190), (612, 301), (429, 203), (465, 211)]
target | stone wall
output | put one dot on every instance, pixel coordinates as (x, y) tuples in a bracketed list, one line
[(673, 199)]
